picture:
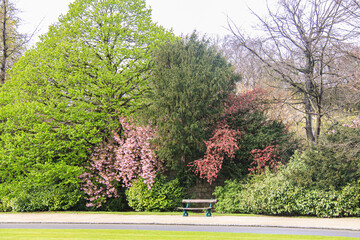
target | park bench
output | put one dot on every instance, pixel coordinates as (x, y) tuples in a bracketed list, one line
[(197, 201)]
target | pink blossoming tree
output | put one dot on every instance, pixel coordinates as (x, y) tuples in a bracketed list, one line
[(123, 159)]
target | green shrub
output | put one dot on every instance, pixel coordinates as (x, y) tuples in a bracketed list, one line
[(113, 204), (163, 196), (228, 197), (333, 203), (264, 194), (257, 133), (321, 181), (332, 164), (50, 187), (321, 168), (349, 200), (273, 195)]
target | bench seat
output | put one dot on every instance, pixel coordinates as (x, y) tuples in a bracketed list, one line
[(197, 201), (213, 201), (194, 209)]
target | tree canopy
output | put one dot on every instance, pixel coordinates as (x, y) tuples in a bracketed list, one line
[(190, 79), (67, 93)]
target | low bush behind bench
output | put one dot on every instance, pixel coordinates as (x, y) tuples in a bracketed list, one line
[(197, 201)]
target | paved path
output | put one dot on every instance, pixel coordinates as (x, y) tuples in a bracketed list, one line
[(240, 221)]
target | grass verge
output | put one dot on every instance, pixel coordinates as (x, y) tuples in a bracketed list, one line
[(39, 234)]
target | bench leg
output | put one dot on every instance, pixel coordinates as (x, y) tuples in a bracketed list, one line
[(185, 213), (208, 213)]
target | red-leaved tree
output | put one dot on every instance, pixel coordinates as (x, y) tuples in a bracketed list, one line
[(121, 160), (226, 137), (247, 102), (222, 144), (262, 158)]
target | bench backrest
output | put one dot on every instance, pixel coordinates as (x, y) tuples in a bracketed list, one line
[(199, 201)]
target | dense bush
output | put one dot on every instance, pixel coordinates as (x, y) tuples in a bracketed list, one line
[(321, 181), (274, 195), (114, 204), (246, 113), (163, 196), (321, 168), (49, 187), (243, 134), (331, 164), (261, 195)]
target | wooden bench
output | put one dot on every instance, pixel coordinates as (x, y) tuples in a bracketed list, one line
[(193, 201)]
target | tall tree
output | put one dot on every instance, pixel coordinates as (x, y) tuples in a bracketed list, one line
[(190, 80), (67, 93), (301, 45), (12, 42), (90, 68)]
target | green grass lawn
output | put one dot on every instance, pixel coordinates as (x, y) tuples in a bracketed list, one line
[(49, 234)]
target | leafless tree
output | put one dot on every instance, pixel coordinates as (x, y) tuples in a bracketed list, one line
[(256, 75), (12, 43), (302, 43), (249, 66)]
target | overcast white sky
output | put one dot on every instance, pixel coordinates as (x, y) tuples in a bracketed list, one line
[(183, 16)]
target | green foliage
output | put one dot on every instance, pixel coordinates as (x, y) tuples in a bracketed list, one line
[(228, 197), (47, 187), (274, 195), (258, 132), (114, 204), (350, 199), (28, 138), (343, 141), (91, 67), (321, 168), (66, 93), (262, 195), (322, 181), (332, 164), (163, 196), (190, 79)]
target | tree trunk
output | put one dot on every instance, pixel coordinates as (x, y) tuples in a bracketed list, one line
[(309, 89), (4, 46), (318, 127), (309, 120)]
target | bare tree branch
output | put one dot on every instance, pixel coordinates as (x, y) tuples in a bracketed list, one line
[(12, 43), (302, 44)]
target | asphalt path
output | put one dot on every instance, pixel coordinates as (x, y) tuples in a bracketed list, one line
[(233, 229)]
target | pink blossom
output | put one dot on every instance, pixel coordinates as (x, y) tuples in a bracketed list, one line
[(122, 159), (355, 123)]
